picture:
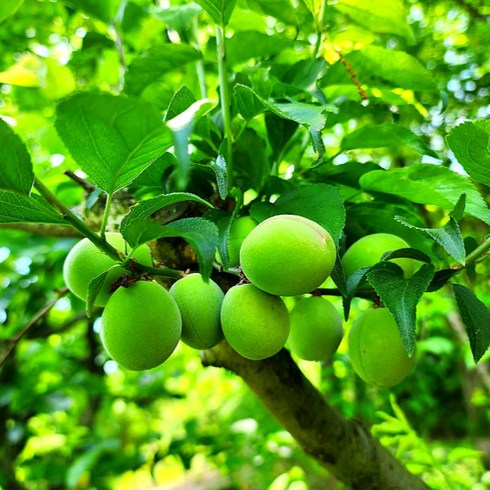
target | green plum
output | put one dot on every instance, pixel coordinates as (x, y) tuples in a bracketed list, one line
[(316, 329), (369, 249), (288, 255), (141, 326), (199, 303), (376, 350), (239, 230), (255, 323), (85, 261)]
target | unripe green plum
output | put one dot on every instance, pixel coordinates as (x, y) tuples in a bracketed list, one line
[(316, 329), (288, 255), (239, 230), (141, 326), (85, 262), (199, 303), (255, 323), (369, 249), (376, 350)]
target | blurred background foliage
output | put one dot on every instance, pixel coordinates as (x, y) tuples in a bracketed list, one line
[(69, 417)]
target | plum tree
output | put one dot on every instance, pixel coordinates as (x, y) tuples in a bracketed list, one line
[(376, 350), (255, 323), (141, 325), (85, 261), (369, 249), (316, 329), (239, 230), (199, 303), (287, 255)]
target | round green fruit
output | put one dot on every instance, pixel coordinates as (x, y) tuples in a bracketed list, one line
[(85, 262), (239, 230), (368, 251), (141, 326), (199, 303), (316, 329), (376, 350), (287, 255), (255, 323)]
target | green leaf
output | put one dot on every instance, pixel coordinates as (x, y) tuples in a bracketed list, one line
[(94, 288), (145, 209), (245, 45), (200, 233), (448, 237), (374, 64), (385, 16), (221, 170), (219, 10), (476, 319), (178, 17), (153, 175), (401, 295), (279, 132), (19, 208), (9, 7), (16, 172), (470, 143), (155, 62), (112, 138), (385, 135), (322, 203), (427, 184), (104, 11)]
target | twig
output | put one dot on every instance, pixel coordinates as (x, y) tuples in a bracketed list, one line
[(84, 184)]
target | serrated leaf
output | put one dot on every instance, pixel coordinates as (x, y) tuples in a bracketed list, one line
[(476, 319), (385, 135), (401, 295), (470, 143), (385, 16), (448, 237), (9, 7), (352, 285), (16, 172), (427, 184), (200, 233), (19, 208), (440, 279), (144, 209), (219, 10), (112, 138)]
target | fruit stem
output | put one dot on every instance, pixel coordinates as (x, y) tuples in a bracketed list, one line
[(105, 217), (69, 216)]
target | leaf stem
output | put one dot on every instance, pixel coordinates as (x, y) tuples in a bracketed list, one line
[(473, 256), (69, 216), (320, 26), (105, 217), (156, 271), (201, 75), (224, 90)]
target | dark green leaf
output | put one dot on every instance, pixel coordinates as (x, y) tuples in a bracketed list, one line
[(219, 10), (440, 279), (354, 281), (16, 172), (112, 138), (153, 175), (428, 184), (401, 295), (385, 135), (19, 208), (470, 143), (8, 8), (279, 132), (408, 253), (155, 62), (476, 319)]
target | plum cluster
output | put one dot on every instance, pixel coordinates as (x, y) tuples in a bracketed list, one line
[(283, 256)]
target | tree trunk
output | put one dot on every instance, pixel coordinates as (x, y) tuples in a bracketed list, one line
[(345, 447)]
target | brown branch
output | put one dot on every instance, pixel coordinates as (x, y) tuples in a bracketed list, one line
[(353, 76), (345, 447)]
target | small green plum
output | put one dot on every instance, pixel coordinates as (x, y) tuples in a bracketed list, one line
[(239, 230), (376, 350), (141, 326), (288, 255), (199, 303), (85, 262), (316, 329), (369, 249), (255, 323)]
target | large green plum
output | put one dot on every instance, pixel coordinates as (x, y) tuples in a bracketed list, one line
[(316, 329), (85, 261), (141, 325), (288, 255), (255, 323), (369, 249), (376, 350), (199, 303)]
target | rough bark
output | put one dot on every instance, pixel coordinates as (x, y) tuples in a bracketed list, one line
[(345, 447)]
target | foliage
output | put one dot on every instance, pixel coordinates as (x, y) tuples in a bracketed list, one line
[(170, 120)]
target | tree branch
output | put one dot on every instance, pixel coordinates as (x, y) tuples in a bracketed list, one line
[(345, 447)]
